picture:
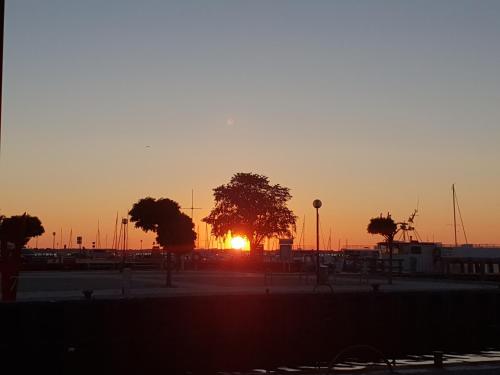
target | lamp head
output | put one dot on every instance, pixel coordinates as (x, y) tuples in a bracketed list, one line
[(317, 203)]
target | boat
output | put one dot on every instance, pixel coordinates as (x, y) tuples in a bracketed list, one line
[(411, 255)]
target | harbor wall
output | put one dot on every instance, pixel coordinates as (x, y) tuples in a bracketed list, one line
[(201, 334)]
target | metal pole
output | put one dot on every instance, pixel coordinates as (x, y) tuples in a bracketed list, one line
[(454, 215), (317, 245), (317, 204), (124, 248)]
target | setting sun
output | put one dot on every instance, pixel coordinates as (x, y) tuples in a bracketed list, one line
[(238, 243)]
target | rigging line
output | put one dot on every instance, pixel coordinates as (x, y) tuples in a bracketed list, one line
[(402, 236), (461, 220), (417, 235)]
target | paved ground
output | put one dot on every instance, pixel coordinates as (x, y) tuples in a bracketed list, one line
[(56, 285)]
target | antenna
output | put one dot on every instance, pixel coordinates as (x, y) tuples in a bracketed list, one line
[(407, 226), (192, 208)]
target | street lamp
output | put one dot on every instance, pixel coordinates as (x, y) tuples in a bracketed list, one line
[(317, 204), (53, 240)]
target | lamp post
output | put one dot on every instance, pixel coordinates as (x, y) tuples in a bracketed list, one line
[(317, 204), (53, 240), (125, 238)]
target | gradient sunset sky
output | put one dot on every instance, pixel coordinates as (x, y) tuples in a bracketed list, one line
[(367, 105)]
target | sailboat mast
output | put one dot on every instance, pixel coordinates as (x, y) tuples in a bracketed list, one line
[(207, 246), (197, 236), (98, 242), (70, 240), (304, 233), (454, 215), (115, 234)]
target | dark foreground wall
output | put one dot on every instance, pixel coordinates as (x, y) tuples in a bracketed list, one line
[(202, 334)]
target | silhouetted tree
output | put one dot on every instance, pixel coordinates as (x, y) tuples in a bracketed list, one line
[(174, 229), (249, 205), (387, 228), (15, 233)]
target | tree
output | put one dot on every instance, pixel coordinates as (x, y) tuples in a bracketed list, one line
[(250, 206), (15, 233), (174, 229), (387, 228)]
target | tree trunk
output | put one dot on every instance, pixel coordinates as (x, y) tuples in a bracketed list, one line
[(179, 265), (10, 275), (169, 269), (389, 277), (10, 267), (256, 253)]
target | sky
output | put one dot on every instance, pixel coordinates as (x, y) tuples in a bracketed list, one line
[(370, 106)]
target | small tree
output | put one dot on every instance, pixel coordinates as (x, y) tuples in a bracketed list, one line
[(174, 229), (15, 233), (387, 228), (249, 205)]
